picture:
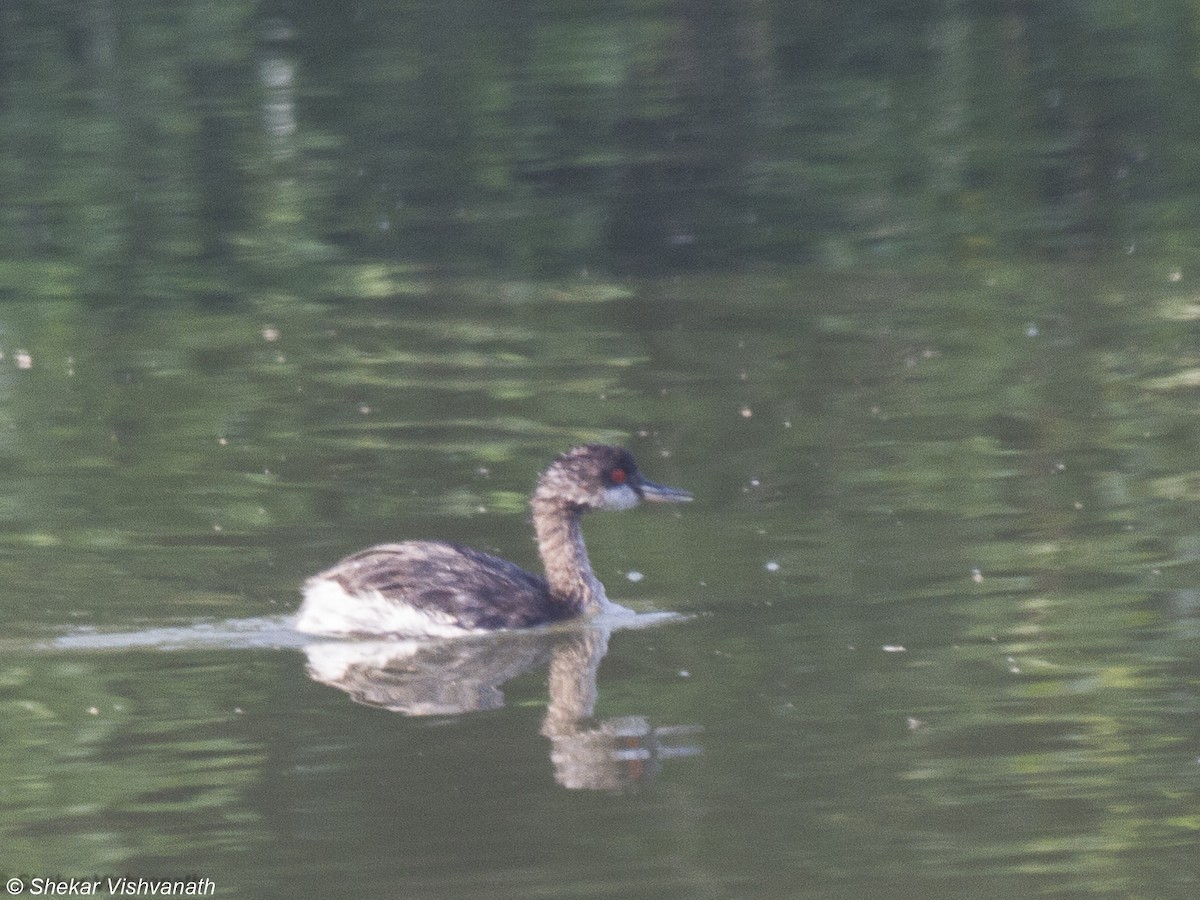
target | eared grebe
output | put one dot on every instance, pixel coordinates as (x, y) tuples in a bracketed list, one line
[(438, 589)]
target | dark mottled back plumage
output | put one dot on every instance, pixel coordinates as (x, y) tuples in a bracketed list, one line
[(446, 578)]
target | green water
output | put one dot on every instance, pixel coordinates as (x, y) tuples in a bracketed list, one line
[(906, 298), (938, 578)]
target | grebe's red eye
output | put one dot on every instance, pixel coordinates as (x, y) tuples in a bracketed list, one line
[(618, 476)]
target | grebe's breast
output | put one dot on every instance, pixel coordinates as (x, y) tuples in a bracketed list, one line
[(425, 588)]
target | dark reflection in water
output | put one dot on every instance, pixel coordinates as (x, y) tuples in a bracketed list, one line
[(161, 153), (466, 675)]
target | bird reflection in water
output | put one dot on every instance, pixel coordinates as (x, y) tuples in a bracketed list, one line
[(462, 675)]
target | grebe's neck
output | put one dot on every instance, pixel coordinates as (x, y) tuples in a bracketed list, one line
[(564, 557)]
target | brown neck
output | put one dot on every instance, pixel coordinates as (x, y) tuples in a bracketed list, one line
[(565, 559)]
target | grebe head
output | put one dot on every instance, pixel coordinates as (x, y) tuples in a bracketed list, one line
[(598, 476)]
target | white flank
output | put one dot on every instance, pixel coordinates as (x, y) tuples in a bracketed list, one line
[(329, 609)]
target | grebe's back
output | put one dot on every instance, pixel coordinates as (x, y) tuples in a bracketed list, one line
[(424, 587)]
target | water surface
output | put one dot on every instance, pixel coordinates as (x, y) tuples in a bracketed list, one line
[(939, 622), (906, 298)]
